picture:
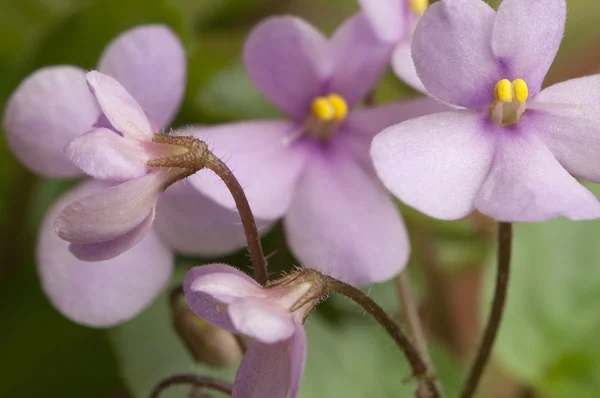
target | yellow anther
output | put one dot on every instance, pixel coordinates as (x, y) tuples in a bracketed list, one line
[(339, 105), (504, 91), (520, 90), (418, 7), (323, 109)]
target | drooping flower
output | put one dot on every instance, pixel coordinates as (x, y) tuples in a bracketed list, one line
[(273, 365), (314, 169), (510, 152)]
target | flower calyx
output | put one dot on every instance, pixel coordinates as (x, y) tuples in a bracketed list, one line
[(300, 291)]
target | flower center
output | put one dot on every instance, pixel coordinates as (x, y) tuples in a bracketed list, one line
[(510, 102), (418, 7)]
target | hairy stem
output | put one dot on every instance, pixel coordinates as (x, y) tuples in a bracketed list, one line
[(191, 380), (493, 325)]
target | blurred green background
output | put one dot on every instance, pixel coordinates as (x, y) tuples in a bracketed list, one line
[(548, 346)]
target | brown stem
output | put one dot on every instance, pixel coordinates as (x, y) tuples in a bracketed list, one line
[(418, 365), (191, 380), (493, 325), (259, 263)]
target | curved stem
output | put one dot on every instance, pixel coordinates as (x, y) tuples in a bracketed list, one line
[(259, 263), (191, 380), (493, 325), (418, 365)]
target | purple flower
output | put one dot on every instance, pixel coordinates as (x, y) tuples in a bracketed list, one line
[(314, 169), (273, 365), (510, 152)]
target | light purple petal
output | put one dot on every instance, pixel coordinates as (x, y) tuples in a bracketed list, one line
[(299, 351), (359, 59), (265, 371), (106, 155), (262, 319), (267, 169), (48, 109), (149, 61), (436, 163), (404, 67), (571, 133), (119, 107), (106, 293), (287, 60), (111, 213), (453, 54), (386, 16), (527, 184), (526, 38), (227, 286), (342, 222)]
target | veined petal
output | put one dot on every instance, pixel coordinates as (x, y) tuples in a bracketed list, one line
[(299, 350), (106, 155), (149, 61), (106, 293), (453, 55), (48, 109), (262, 319), (119, 107), (287, 60), (526, 37), (386, 16), (436, 163), (527, 184), (404, 66)]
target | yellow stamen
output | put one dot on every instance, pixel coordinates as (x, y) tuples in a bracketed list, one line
[(504, 91), (339, 106), (520, 90), (323, 109), (418, 7)]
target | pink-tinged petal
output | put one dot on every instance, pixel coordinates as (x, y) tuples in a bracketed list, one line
[(106, 293), (453, 55), (299, 351), (112, 213), (571, 133), (404, 67), (193, 224), (287, 60), (262, 319), (359, 59), (48, 109), (342, 222), (112, 248), (226, 287), (106, 155), (149, 61), (527, 184), (386, 16), (436, 163), (265, 371), (526, 37), (267, 169), (119, 107)]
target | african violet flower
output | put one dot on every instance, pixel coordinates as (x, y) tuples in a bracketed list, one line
[(273, 365), (313, 169), (510, 152)]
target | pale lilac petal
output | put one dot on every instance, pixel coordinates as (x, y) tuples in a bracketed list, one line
[(436, 163), (386, 16), (226, 287), (149, 61), (571, 133), (287, 60), (527, 184), (119, 107), (404, 67), (262, 319), (48, 109), (265, 371), (106, 293), (112, 248), (453, 54), (359, 59), (299, 351), (267, 169), (106, 155), (526, 37), (342, 222), (112, 213)]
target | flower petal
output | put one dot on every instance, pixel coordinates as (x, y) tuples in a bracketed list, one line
[(226, 287), (526, 37), (386, 17), (264, 372), (48, 109), (106, 155), (527, 184), (264, 320), (106, 293), (435, 163), (119, 107), (453, 54), (266, 168), (287, 60), (150, 63), (571, 134), (404, 67), (342, 222), (299, 350)]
